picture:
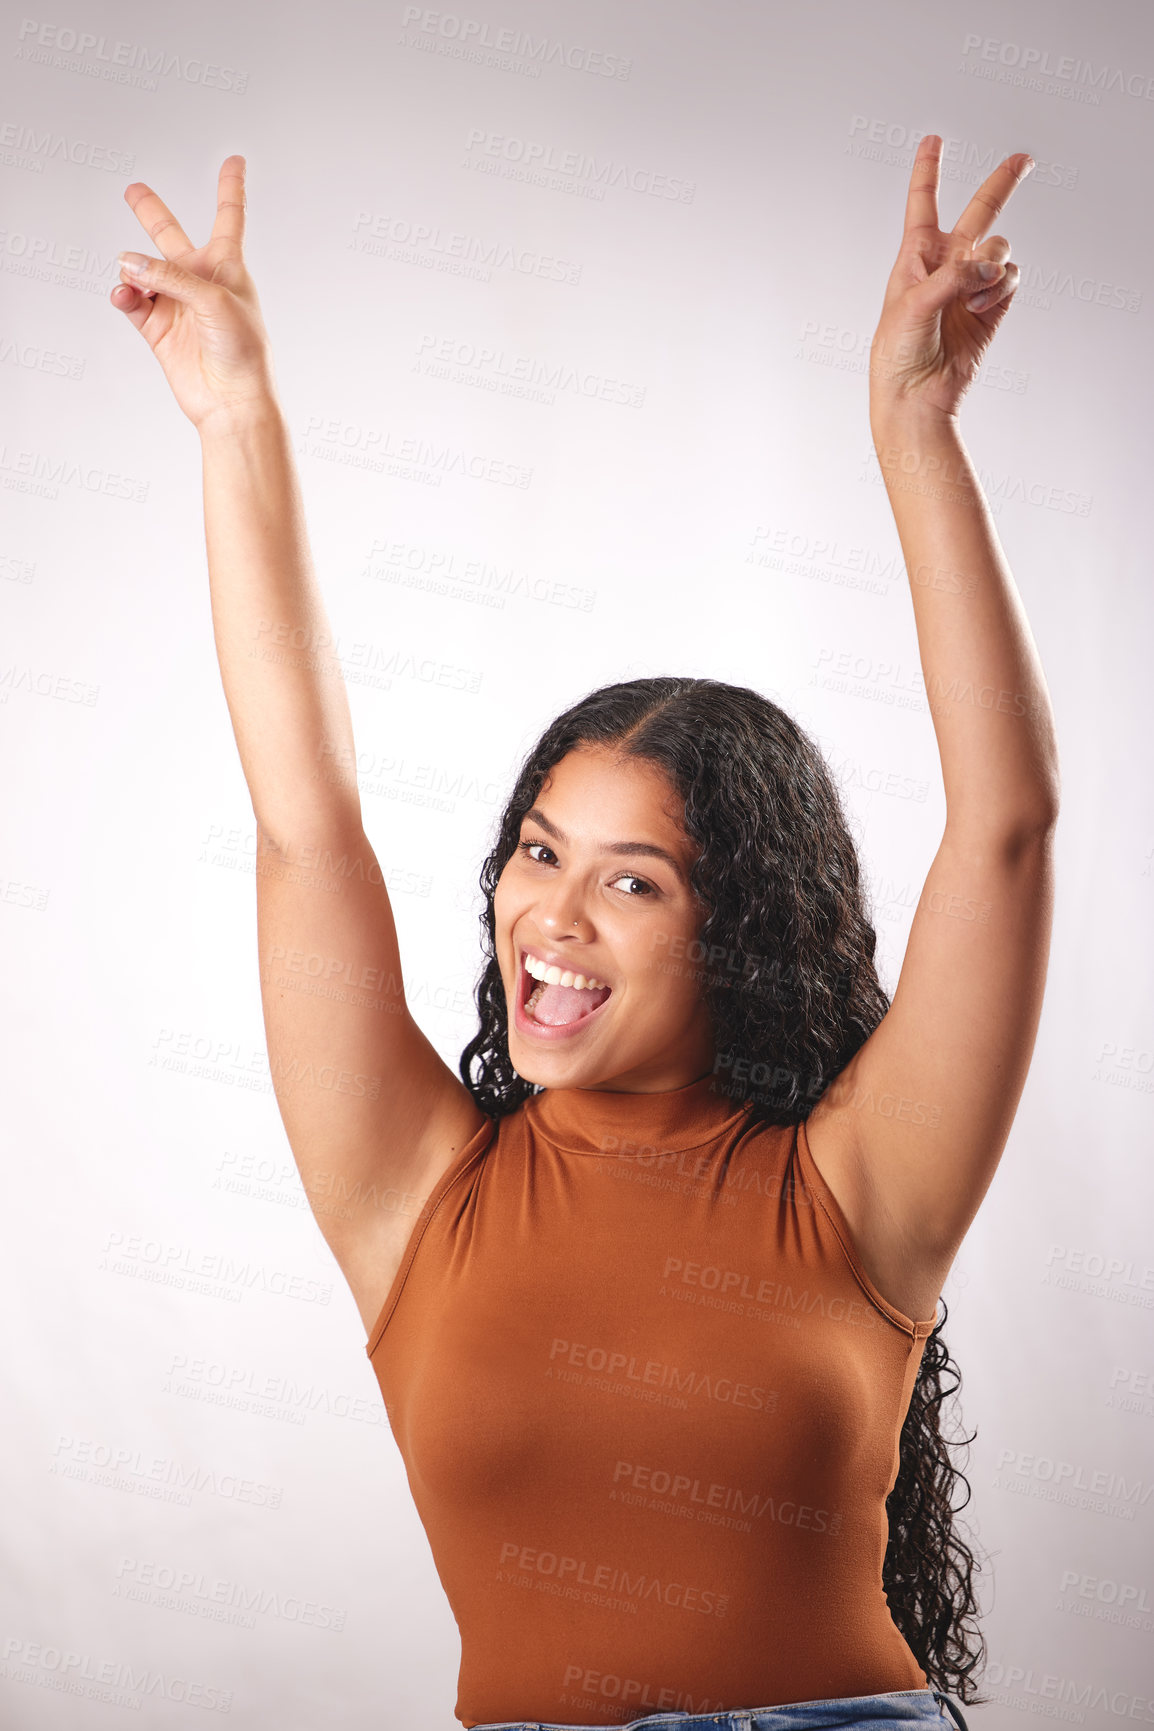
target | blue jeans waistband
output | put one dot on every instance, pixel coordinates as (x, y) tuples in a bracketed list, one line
[(888, 1712)]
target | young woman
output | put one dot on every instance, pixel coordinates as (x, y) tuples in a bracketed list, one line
[(651, 1288)]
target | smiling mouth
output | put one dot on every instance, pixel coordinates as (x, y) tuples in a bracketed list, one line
[(558, 1006)]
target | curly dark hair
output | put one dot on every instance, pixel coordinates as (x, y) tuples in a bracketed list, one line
[(789, 949)]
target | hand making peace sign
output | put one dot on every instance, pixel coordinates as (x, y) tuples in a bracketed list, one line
[(197, 307), (933, 333)]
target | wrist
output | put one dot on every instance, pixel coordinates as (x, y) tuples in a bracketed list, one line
[(911, 420), (235, 420)]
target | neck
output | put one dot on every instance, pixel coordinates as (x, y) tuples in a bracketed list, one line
[(631, 1123)]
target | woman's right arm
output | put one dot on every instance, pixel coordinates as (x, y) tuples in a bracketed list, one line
[(284, 688), (372, 1112)]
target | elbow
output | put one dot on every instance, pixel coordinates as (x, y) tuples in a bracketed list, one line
[(1038, 817), (1032, 824), (1015, 829), (1032, 806), (1041, 814), (1028, 812), (1047, 795)]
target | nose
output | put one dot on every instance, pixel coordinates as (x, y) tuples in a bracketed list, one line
[(561, 914)]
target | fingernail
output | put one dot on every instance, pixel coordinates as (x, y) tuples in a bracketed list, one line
[(133, 261), (988, 270)]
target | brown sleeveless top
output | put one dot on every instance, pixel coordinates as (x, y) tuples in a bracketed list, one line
[(648, 1403)]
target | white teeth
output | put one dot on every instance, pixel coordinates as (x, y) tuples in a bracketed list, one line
[(553, 976)]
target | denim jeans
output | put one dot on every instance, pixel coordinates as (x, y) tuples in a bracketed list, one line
[(891, 1712)]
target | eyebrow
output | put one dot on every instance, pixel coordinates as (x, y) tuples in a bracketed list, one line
[(648, 848)]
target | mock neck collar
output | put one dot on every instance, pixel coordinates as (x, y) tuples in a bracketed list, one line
[(632, 1126)]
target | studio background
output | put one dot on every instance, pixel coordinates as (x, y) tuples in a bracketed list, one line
[(570, 309)]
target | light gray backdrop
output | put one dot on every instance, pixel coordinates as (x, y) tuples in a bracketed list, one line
[(571, 308)]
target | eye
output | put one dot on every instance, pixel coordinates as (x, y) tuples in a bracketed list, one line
[(631, 895), (524, 847), (647, 887)]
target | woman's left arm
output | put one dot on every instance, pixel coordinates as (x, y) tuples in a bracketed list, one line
[(927, 1103)]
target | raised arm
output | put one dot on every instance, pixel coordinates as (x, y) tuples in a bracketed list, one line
[(918, 1120), (372, 1112)]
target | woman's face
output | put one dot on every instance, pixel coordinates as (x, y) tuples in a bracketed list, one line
[(599, 888)]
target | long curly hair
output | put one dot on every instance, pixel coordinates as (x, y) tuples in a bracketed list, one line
[(788, 949)]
